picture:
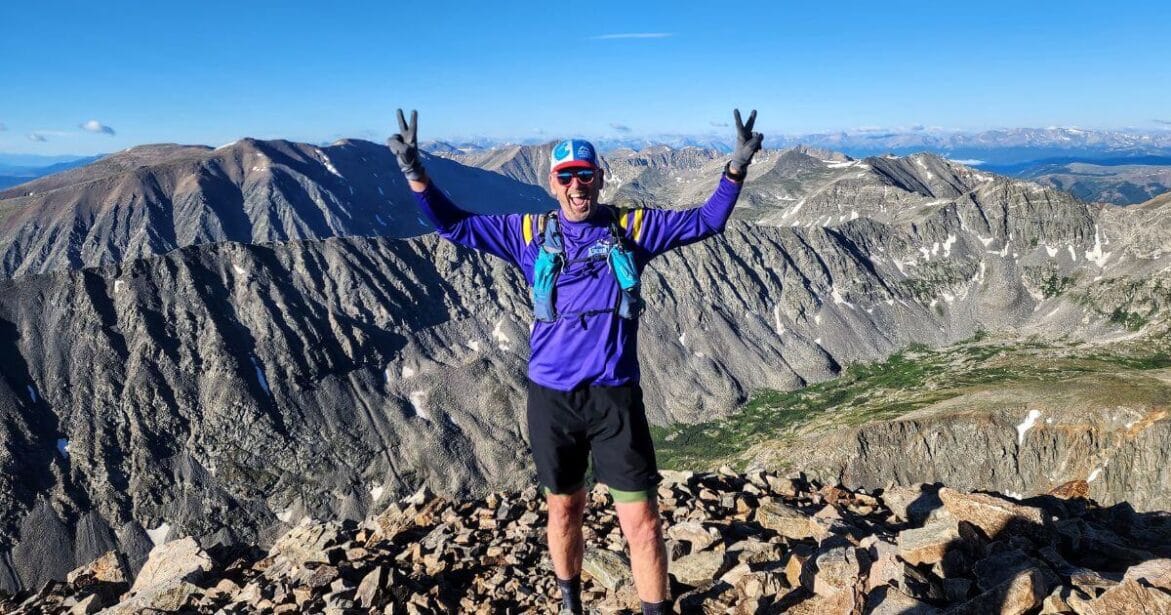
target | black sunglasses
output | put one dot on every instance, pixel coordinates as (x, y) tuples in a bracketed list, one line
[(584, 176)]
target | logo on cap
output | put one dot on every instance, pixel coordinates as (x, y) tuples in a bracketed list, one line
[(571, 151), (561, 151)]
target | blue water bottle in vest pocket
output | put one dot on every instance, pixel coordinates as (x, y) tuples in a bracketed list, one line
[(626, 272), (545, 271)]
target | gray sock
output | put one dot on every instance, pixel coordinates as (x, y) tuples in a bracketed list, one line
[(655, 608)]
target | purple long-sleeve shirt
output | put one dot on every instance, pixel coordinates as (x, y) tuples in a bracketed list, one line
[(589, 344)]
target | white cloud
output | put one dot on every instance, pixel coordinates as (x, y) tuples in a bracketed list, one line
[(98, 127), (39, 138), (624, 35)]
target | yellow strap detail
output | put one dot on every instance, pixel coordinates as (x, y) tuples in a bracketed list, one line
[(624, 220), (526, 225), (638, 224)]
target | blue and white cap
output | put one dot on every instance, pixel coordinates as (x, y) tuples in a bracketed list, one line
[(573, 153)]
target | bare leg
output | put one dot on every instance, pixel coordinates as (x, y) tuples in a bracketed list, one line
[(648, 553), (566, 546)]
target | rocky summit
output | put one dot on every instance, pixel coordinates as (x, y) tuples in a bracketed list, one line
[(737, 543)]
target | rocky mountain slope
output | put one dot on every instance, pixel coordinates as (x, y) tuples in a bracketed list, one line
[(223, 390), (152, 199), (759, 543), (271, 381)]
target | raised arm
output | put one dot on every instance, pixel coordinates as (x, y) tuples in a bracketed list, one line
[(499, 235), (659, 230)]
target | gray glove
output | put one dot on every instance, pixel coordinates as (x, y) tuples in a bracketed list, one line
[(747, 143), (405, 147)]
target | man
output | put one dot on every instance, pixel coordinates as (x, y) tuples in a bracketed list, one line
[(582, 263)]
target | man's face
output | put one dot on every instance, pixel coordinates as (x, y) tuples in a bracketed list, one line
[(578, 197)]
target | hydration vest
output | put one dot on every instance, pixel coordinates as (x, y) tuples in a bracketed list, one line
[(551, 260)]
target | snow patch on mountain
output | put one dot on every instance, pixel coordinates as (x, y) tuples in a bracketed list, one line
[(1026, 425)]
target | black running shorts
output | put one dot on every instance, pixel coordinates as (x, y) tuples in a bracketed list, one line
[(565, 428)]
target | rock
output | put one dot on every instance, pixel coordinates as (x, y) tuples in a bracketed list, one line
[(929, 544), (307, 542), (173, 598), (170, 564), (710, 597), (798, 569), (891, 601), (991, 514), (782, 486), (752, 551), (911, 504), (921, 585), (1129, 596), (675, 549), (697, 568), (885, 565), (835, 496), (693, 533), (1056, 602), (1016, 596), (302, 595), (109, 568), (394, 521), (840, 603), (956, 590), (90, 604), (609, 569), (1072, 490), (734, 573), (1155, 573), (369, 590), (999, 567), (839, 569), (1104, 543), (784, 519), (225, 587), (1089, 581), (170, 598), (251, 594), (435, 538), (318, 576), (761, 584), (672, 478)]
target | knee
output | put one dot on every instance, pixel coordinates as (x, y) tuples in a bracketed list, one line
[(646, 528), (566, 510)]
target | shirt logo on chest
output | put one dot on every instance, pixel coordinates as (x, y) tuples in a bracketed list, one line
[(601, 248)]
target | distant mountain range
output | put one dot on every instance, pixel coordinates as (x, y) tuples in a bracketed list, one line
[(1001, 146), (1119, 167), (1041, 154), (15, 170)]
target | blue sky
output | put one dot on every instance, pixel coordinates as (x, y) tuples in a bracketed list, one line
[(211, 72)]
